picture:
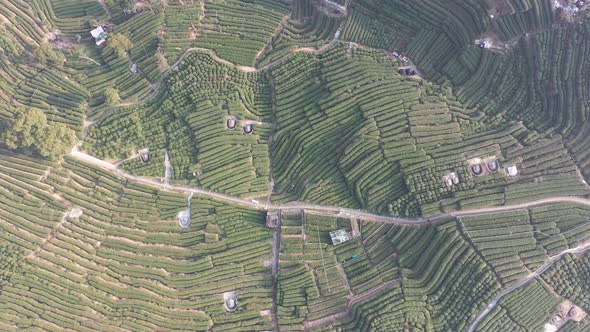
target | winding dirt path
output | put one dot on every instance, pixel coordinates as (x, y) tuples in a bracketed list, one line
[(106, 8), (247, 69), (549, 263), (310, 324)]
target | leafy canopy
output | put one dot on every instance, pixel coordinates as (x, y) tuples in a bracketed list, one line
[(28, 130), (45, 53), (120, 43), (111, 96)]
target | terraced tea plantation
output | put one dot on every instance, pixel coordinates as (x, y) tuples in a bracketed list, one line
[(116, 258), (294, 165)]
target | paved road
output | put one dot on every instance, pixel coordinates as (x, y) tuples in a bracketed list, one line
[(315, 208), (552, 260), (353, 213), (292, 206)]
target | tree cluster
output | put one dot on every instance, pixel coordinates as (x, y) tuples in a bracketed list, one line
[(120, 43), (29, 131), (45, 53)]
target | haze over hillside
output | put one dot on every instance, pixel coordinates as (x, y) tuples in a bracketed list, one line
[(294, 165)]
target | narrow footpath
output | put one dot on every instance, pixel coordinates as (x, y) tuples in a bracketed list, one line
[(550, 262)]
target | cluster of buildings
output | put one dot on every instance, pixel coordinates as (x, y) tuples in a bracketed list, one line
[(100, 35), (451, 179), (567, 312), (231, 123), (481, 167)]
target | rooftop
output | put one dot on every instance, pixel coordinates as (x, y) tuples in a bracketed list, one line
[(99, 35), (339, 236), (512, 170)]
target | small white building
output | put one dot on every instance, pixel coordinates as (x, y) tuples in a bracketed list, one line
[(99, 35), (512, 171), (451, 179)]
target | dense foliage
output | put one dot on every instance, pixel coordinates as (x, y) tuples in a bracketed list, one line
[(571, 279), (30, 131), (285, 101)]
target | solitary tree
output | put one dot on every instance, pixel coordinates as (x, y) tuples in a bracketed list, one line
[(162, 61), (111, 96), (120, 43)]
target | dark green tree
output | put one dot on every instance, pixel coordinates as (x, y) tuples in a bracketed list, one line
[(28, 130), (120, 43), (55, 141), (25, 128)]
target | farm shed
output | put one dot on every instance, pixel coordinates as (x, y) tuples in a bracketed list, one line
[(272, 219), (339, 236), (512, 171), (99, 35)]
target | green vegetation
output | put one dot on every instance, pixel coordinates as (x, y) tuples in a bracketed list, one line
[(111, 96), (189, 119), (10, 263), (120, 43), (391, 277), (45, 53), (527, 309), (444, 282), (570, 278), (312, 284), (29, 131), (278, 103), (237, 30), (516, 243), (343, 138), (307, 27), (124, 263)]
